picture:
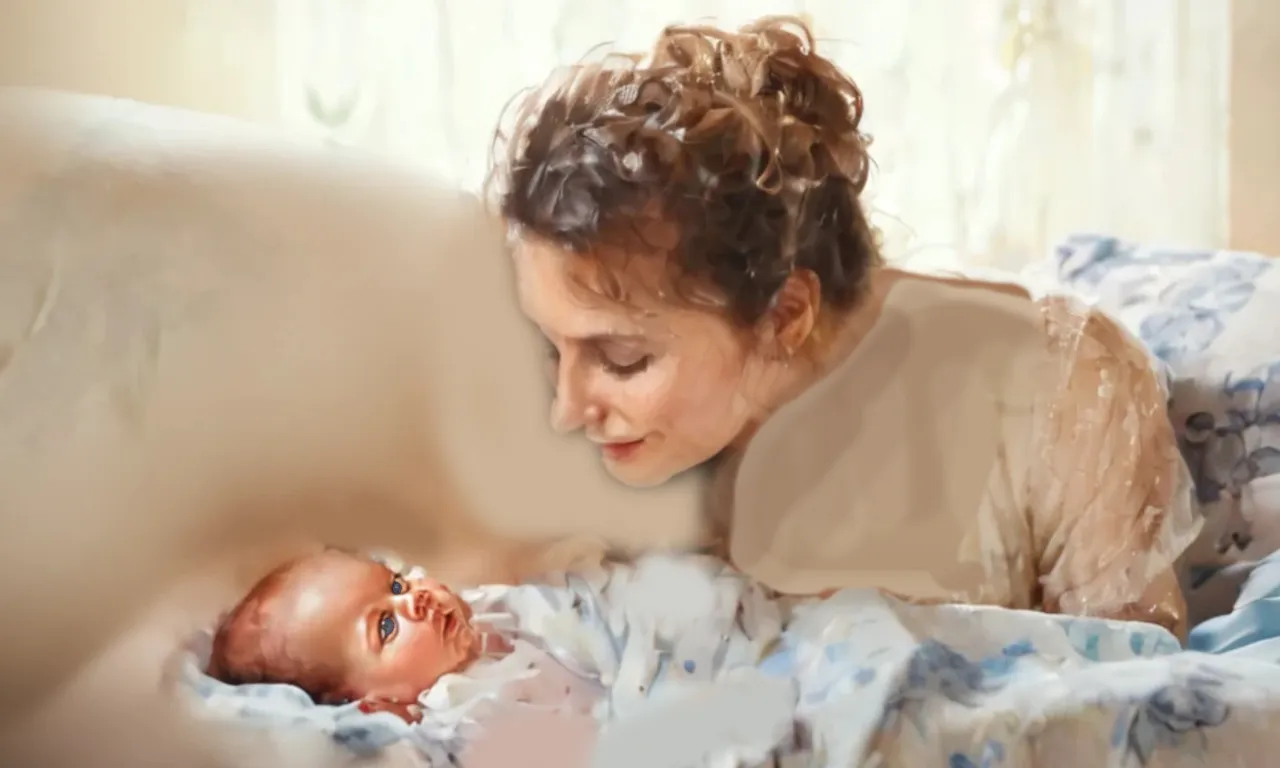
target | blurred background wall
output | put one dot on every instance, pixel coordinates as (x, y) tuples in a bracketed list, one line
[(986, 165)]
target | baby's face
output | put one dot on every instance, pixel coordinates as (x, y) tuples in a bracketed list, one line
[(392, 638)]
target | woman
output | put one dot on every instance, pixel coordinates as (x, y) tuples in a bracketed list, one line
[(692, 240)]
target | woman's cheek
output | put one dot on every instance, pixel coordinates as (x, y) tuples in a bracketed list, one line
[(698, 403), (647, 399)]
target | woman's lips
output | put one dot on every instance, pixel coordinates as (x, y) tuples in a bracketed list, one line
[(621, 451)]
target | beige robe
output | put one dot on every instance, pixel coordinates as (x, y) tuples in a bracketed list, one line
[(979, 445)]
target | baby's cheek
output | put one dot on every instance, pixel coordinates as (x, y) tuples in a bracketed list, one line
[(404, 676)]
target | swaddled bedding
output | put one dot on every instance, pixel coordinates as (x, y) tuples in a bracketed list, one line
[(613, 639), (864, 677), (882, 683)]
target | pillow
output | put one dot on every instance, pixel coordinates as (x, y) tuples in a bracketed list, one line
[(1213, 319)]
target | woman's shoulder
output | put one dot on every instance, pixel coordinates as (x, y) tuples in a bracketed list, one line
[(960, 284), (940, 294), (1053, 313), (931, 325)]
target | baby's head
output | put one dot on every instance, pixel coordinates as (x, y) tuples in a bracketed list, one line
[(344, 628)]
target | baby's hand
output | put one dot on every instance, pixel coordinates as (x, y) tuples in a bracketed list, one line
[(410, 713)]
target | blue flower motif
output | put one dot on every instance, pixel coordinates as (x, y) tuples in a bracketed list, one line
[(1171, 714), (936, 669), (1180, 303), (1189, 314), (991, 755), (1192, 314), (1089, 260), (1147, 644), (1217, 448), (838, 671), (1084, 637), (1004, 662)]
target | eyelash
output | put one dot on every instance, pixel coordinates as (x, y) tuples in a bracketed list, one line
[(621, 371), (387, 622), (631, 369)]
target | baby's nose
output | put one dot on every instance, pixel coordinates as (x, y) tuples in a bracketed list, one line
[(418, 604)]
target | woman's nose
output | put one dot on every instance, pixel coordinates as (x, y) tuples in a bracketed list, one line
[(570, 411), (565, 415)]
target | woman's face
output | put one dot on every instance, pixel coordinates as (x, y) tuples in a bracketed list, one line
[(660, 388)]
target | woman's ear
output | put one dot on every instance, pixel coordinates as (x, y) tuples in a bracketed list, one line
[(795, 311)]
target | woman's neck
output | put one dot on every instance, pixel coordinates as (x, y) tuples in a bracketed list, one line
[(829, 347), (848, 331)]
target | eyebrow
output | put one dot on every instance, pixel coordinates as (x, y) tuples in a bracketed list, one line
[(602, 339)]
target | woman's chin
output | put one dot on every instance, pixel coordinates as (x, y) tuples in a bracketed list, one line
[(636, 474)]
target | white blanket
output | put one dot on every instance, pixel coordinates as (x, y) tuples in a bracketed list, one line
[(864, 677), (651, 632)]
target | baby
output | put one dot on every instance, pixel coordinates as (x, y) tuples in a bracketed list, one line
[(345, 628)]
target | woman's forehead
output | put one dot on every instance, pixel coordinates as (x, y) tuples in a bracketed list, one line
[(575, 297)]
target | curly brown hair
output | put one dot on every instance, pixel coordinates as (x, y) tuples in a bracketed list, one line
[(749, 142)]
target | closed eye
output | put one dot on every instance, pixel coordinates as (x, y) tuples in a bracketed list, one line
[(628, 369)]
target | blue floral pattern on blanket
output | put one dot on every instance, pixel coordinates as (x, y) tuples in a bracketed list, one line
[(877, 681), (1174, 716), (990, 688), (1210, 316)]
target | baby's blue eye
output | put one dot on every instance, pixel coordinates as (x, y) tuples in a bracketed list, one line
[(386, 626), (397, 586)]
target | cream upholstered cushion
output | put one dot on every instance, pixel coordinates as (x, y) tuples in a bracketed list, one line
[(211, 335)]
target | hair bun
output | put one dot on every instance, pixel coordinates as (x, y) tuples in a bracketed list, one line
[(748, 141), (795, 99)]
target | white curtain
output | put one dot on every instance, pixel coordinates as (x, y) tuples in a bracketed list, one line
[(999, 125)]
